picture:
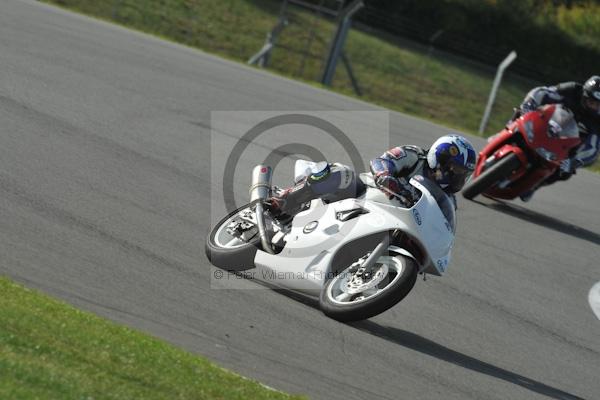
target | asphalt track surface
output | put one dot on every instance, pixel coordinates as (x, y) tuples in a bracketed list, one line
[(105, 202)]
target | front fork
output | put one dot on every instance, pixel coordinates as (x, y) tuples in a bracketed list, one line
[(377, 252), (380, 250)]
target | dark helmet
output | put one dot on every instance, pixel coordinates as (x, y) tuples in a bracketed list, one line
[(452, 159), (591, 95)]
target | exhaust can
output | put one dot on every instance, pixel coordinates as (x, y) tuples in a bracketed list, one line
[(261, 183)]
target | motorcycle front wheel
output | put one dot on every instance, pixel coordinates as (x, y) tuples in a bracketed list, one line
[(352, 296), (491, 176)]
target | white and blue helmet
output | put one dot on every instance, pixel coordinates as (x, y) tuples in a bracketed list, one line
[(452, 159)]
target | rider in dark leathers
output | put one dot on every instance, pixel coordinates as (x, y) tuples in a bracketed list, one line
[(584, 101)]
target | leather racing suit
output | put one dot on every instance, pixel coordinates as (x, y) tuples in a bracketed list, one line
[(391, 171)]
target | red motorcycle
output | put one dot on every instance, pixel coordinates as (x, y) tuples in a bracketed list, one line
[(525, 153)]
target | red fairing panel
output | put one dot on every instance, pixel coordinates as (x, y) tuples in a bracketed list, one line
[(539, 120), (499, 148)]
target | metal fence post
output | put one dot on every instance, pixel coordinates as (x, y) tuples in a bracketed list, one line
[(432, 39), (488, 109), (338, 40), (261, 58), (350, 73), (311, 37)]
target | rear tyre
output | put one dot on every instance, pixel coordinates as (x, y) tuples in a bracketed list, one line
[(501, 169), (226, 253)]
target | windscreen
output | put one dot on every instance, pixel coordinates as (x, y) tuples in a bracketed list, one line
[(562, 123), (444, 201)]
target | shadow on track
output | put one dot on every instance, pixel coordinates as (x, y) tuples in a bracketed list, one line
[(309, 301), (433, 349), (542, 220), (428, 347)]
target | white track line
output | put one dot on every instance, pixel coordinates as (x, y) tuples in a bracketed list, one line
[(594, 299)]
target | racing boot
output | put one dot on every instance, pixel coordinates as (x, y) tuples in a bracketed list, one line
[(525, 197)]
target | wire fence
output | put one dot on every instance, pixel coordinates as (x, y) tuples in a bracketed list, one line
[(466, 46), (405, 69), (397, 71)]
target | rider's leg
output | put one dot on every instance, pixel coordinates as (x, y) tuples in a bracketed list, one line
[(556, 176), (334, 183)]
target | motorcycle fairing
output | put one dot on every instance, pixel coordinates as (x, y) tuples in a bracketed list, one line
[(535, 130), (532, 129), (317, 235)]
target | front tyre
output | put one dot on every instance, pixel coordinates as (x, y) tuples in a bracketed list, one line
[(491, 176), (352, 296)]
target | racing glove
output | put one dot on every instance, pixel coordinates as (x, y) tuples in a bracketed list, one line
[(394, 187), (526, 107), (568, 167)]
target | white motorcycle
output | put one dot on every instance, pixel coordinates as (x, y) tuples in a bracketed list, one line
[(360, 256)]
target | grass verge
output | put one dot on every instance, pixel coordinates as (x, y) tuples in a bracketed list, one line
[(49, 350)]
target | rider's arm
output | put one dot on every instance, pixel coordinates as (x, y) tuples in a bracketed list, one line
[(569, 90), (540, 96), (396, 162), (393, 165)]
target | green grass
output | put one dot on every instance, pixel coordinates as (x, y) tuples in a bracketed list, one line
[(49, 350), (581, 22), (595, 167)]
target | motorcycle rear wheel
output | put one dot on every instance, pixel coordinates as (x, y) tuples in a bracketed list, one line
[(229, 254), (501, 169), (344, 300)]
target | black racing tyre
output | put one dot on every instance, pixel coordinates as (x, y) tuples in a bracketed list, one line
[(238, 258), (501, 169), (356, 309)]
